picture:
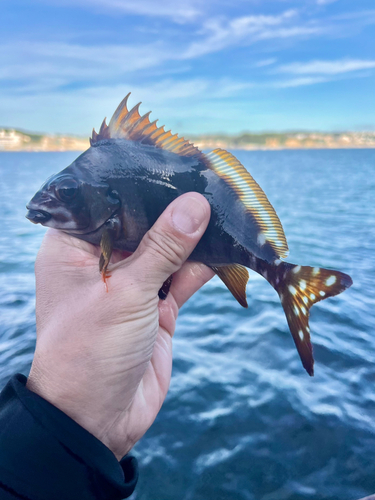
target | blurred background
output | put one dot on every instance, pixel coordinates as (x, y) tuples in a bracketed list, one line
[(288, 87)]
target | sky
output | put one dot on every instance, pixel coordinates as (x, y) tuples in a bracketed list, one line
[(213, 66)]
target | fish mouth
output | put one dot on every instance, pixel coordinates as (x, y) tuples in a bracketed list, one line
[(38, 216)]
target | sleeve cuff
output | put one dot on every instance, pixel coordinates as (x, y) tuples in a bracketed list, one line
[(45, 454)]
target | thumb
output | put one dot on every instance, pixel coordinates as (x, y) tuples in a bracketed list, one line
[(170, 241)]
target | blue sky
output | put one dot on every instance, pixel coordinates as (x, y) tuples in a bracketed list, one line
[(200, 66)]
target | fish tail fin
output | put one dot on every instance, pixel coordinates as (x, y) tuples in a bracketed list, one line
[(299, 287)]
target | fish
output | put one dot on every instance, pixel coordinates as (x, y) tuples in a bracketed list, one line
[(114, 192)]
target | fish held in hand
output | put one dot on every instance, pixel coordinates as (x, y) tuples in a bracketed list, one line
[(114, 192)]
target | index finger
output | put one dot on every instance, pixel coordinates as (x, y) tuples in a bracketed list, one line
[(188, 280)]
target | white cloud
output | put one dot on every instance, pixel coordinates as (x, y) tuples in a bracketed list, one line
[(185, 11), (299, 82), (327, 67), (81, 83), (363, 16), (78, 110), (64, 63), (218, 33), (265, 62), (325, 2), (57, 64)]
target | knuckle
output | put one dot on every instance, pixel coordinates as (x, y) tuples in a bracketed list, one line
[(163, 244)]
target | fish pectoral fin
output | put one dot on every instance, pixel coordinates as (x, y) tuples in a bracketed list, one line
[(235, 278), (107, 242), (106, 245)]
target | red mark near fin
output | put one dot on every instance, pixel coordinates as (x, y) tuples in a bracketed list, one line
[(105, 276)]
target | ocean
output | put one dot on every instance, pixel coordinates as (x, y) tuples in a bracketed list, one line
[(243, 420)]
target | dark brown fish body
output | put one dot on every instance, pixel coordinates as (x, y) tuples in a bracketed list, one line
[(144, 180), (115, 191)]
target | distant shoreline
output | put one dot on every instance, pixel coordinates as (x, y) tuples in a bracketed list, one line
[(17, 140)]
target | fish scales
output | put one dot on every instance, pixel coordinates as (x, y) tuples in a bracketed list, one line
[(114, 192)]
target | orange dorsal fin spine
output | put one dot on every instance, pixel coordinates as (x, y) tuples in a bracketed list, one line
[(102, 135), (130, 125)]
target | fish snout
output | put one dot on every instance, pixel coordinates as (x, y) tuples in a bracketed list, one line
[(37, 216)]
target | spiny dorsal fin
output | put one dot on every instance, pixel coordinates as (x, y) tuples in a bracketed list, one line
[(235, 277), (252, 196), (131, 125), (103, 133)]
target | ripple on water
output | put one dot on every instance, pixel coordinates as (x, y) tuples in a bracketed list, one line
[(242, 420)]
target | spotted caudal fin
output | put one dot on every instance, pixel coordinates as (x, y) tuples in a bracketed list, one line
[(299, 287)]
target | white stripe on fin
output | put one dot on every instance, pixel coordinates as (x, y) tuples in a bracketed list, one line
[(252, 196)]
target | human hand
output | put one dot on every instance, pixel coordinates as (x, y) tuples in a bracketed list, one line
[(102, 358)]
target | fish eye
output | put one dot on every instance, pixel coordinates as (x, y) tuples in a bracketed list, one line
[(66, 189)]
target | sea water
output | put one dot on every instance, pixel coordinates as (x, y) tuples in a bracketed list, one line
[(243, 420)]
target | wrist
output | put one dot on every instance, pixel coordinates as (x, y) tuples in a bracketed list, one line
[(98, 421)]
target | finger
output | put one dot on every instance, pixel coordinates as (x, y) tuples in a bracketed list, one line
[(168, 244), (189, 279), (185, 283)]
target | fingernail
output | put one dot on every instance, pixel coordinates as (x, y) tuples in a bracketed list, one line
[(188, 215)]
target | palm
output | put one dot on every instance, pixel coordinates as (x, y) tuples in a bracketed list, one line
[(154, 385), (74, 264)]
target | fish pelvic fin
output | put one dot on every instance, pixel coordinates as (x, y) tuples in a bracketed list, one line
[(235, 278), (299, 287), (270, 232), (131, 125)]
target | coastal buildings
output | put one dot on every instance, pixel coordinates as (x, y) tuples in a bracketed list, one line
[(16, 140), (12, 140)]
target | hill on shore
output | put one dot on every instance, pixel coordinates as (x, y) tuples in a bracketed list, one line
[(19, 140)]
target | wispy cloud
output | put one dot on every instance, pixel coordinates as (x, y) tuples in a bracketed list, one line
[(65, 63), (207, 59), (325, 2), (363, 16), (80, 109), (61, 64), (299, 82), (186, 11), (217, 33), (326, 67), (265, 62)]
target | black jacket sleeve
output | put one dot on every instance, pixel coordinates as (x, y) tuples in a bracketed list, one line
[(46, 455)]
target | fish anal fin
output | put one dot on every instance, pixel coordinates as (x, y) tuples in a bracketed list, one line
[(299, 287), (255, 201), (132, 126), (235, 278)]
